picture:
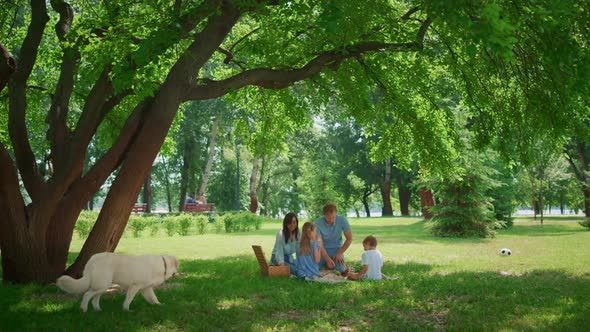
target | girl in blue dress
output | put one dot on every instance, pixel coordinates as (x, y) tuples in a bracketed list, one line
[(308, 253)]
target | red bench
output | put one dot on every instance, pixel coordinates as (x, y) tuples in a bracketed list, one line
[(198, 207), (139, 208)]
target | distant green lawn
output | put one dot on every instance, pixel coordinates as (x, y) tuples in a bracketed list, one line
[(442, 284)]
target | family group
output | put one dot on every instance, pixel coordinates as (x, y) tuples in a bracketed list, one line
[(319, 246)]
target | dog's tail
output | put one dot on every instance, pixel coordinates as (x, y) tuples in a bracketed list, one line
[(73, 286)]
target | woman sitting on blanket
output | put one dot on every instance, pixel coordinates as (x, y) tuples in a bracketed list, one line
[(308, 253), (283, 252)]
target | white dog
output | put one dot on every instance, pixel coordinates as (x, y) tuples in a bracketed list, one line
[(134, 273)]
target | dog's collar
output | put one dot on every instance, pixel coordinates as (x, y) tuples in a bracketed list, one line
[(165, 267)]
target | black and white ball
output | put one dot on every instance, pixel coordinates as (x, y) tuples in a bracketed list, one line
[(505, 252)]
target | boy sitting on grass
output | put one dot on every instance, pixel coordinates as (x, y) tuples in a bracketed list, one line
[(372, 262)]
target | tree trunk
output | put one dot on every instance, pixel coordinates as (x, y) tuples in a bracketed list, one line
[(147, 192), (426, 202), (238, 202), (535, 203), (253, 193), (358, 213), (386, 190), (365, 200), (579, 150), (114, 215), (184, 174), (7, 66), (160, 112), (24, 257), (542, 207), (167, 183), (586, 192), (263, 188), (404, 194), (207, 171)]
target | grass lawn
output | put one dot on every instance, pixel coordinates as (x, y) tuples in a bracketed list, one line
[(455, 284)]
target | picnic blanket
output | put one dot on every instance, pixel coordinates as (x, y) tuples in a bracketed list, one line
[(328, 276), (332, 277)]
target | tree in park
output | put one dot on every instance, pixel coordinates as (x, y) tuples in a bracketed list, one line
[(577, 154), (124, 68), (263, 127), (465, 209)]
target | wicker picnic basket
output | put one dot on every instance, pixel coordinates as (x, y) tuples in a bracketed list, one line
[(269, 270)]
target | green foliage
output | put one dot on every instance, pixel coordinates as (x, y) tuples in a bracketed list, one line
[(223, 183), (585, 224), (465, 208), (241, 222), (318, 175), (184, 222), (201, 221), (219, 224), (154, 224), (171, 226), (85, 222), (504, 194), (138, 224)]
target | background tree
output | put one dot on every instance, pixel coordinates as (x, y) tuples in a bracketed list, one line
[(465, 208), (577, 154)]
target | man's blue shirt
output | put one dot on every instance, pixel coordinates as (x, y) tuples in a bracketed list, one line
[(332, 234)]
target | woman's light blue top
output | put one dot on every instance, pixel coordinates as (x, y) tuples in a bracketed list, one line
[(282, 248)]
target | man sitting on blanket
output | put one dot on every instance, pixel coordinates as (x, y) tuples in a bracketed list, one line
[(329, 230)]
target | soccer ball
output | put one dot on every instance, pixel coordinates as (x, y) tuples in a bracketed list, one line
[(505, 252)]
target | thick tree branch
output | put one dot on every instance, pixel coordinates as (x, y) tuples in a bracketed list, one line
[(205, 44), (409, 13), (58, 131), (579, 175), (57, 116), (281, 78), (7, 66), (231, 49), (26, 162), (72, 163), (177, 6), (9, 192), (100, 171), (66, 17), (91, 113)]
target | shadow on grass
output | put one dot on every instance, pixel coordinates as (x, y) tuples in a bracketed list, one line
[(230, 294)]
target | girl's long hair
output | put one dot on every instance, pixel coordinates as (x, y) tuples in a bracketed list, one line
[(305, 246), (286, 233)]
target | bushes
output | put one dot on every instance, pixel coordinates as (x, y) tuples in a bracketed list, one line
[(170, 225), (585, 223), (183, 224), (138, 224), (241, 222), (85, 223), (201, 222)]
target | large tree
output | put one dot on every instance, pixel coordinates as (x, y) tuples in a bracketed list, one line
[(135, 63)]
